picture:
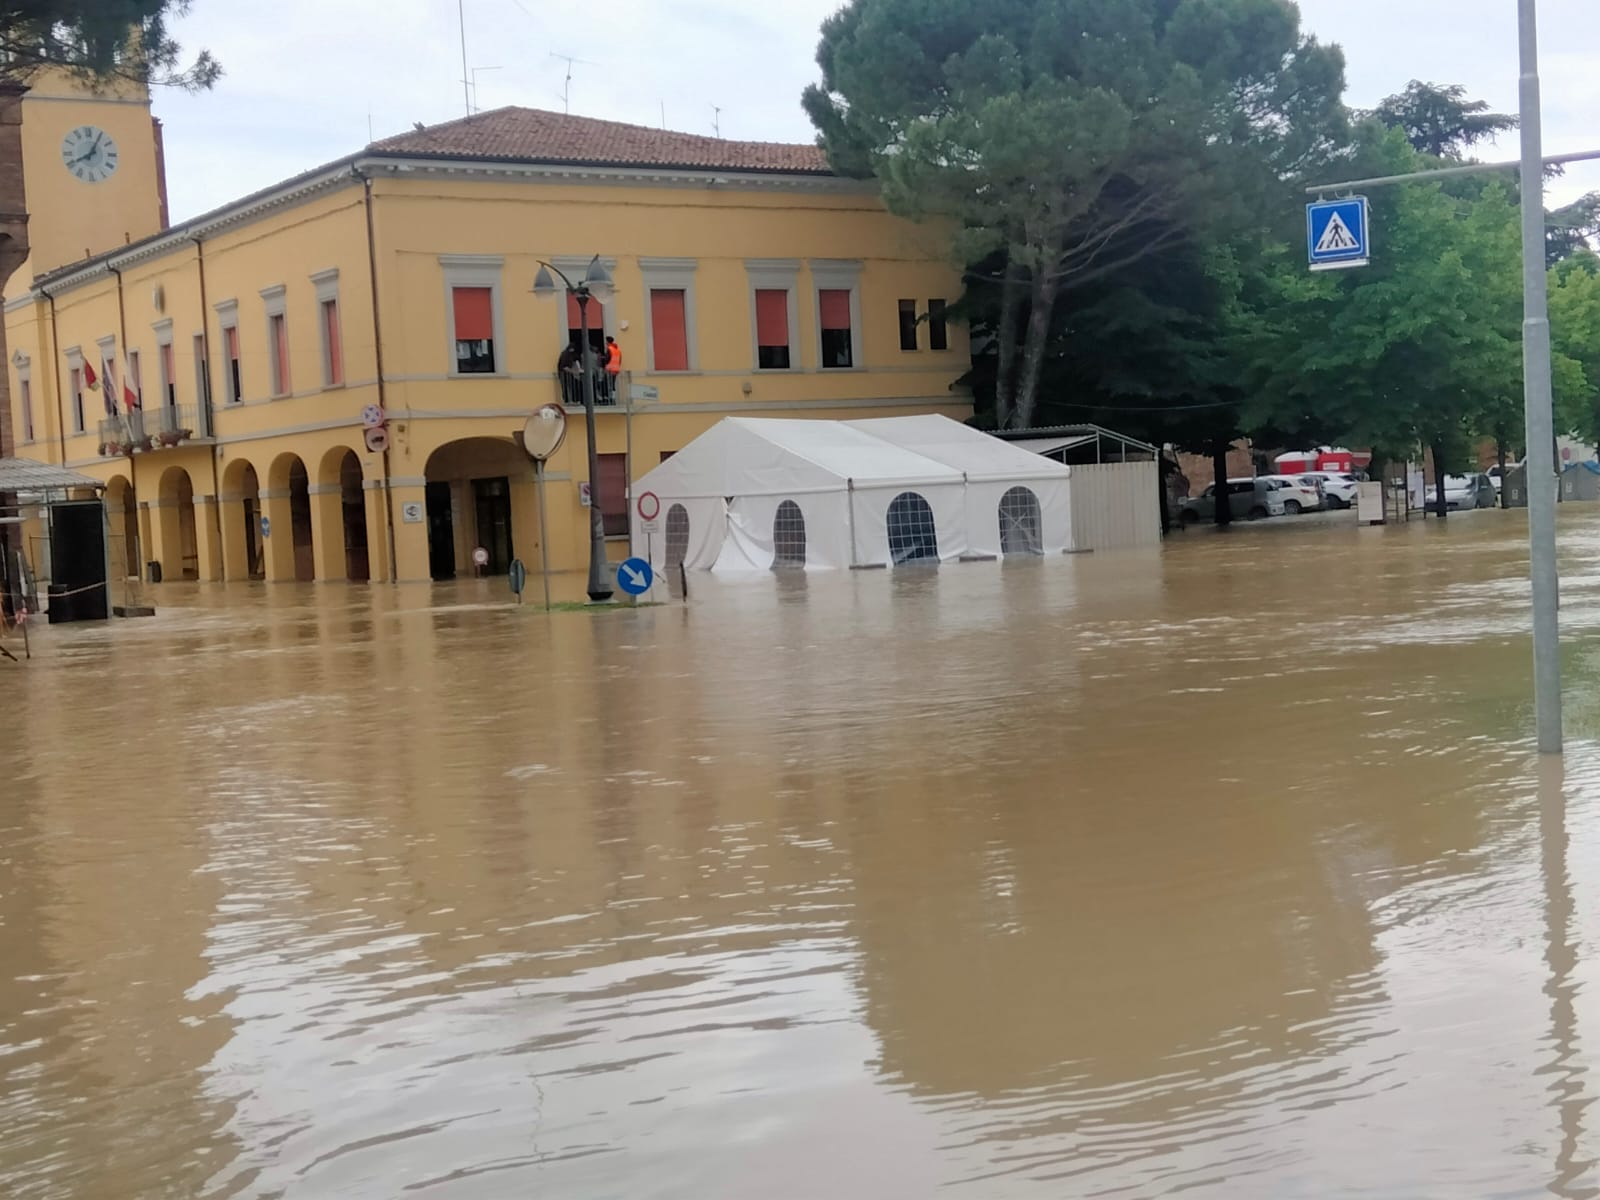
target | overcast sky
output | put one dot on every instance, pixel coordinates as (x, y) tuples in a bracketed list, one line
[(306, 79)]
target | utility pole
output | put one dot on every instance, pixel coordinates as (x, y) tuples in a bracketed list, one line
[(1536, 397), (466, 76)]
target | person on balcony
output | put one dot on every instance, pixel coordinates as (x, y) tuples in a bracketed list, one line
[(613, 367), (569, 370)]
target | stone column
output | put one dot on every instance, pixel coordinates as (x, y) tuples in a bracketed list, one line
[(410, 529), (149, 536), (327, 531), (278, 546), (205, 538), (377, 529)]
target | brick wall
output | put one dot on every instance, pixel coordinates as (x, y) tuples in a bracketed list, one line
[(1197, 468)]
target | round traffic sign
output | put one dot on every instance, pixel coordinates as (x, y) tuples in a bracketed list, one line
[(517, 576), (649, 506), (634, 576), (480, 557)]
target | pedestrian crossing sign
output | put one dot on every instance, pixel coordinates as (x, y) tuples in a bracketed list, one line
[(1337, 233)]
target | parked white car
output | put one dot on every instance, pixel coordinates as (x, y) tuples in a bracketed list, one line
[(1466, 491), (1298, 495), (1338, 488)]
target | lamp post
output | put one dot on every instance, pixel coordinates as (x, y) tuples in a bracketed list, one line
[(1541, 466), (596, 286)]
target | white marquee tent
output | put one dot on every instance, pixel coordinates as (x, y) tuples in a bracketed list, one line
[(753, 493)]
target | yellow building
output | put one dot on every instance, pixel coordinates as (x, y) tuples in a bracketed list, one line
[(395, 284)]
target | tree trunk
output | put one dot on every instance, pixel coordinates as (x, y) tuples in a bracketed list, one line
[(1438, 479), (1043, 301), (1500, 461), (1006, 347), (1219, 485)]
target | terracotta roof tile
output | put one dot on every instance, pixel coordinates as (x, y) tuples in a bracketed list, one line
[(534, 135)]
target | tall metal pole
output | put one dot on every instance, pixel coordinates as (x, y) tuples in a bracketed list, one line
[(599, 588), (1536, 399), (544, 534), (466, 75)]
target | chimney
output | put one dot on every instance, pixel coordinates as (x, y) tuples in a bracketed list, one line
[(161, 170)]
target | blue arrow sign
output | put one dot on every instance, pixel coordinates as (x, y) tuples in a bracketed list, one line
[(1338, 233), (634, 576), (266, 526)]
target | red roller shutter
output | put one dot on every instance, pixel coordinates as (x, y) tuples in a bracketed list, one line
[(669, 329), (835, 305), (772, 318), (474, 315)]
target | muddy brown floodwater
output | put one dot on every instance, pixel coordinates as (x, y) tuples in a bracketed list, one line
[(1225, 869)]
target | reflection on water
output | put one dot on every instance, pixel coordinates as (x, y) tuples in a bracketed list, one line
[(1223, 869)]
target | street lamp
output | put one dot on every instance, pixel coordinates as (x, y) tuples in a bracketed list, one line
[(596, 286)]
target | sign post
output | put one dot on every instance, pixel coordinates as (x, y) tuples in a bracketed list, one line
[(541, 437)]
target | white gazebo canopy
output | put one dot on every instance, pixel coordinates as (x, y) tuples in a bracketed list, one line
[(752, 493)]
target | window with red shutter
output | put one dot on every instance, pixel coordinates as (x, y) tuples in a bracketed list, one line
[(833, 305), (614, 493), (772, 329), (669, 331), (474, 321)]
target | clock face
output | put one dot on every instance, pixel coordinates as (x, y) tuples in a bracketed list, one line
[(89, 153)]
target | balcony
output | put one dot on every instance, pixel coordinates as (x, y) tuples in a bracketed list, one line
[(610, 391), (141, 431)]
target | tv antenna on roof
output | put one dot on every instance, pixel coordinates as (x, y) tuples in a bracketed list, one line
[(716, 119), (566, 84)]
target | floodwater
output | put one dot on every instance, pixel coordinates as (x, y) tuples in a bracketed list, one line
[(1224, 870)]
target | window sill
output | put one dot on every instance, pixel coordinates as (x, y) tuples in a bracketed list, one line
[(839, 370), (478, 375), (337, 385)]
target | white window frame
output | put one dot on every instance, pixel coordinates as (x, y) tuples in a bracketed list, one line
[(108, 374), (202, 371), (670, 274), (275, 301), (474, 271), (164, 350), (839, 274), (775, 275), (228, 318), (133, 369), (24, 395), (75, 362), (326, 284)]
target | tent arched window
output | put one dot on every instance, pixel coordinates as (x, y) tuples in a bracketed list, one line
[(677, 535), (912, 536), (1021, 527), (789, 536)]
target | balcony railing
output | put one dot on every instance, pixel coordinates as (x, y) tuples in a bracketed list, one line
[(144, 430), (610, 391)]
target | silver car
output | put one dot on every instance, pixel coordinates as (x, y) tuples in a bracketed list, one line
[(1250, 499)]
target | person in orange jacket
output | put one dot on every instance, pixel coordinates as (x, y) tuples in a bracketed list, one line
[(613, 366)]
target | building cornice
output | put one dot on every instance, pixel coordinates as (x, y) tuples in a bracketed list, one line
[(359, 167)]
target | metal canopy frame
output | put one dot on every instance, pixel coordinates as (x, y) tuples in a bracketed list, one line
[(1123, 448)]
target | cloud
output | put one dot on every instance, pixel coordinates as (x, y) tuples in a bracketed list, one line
[(307, 79)]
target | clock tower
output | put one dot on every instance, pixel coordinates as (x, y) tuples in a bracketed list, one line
[(93, 171)]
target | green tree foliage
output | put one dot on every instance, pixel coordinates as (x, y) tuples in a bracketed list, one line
[(1573, 229), (1071, 139), (1423, 347), (1439, 120), (103, 39), (1575, 335)]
